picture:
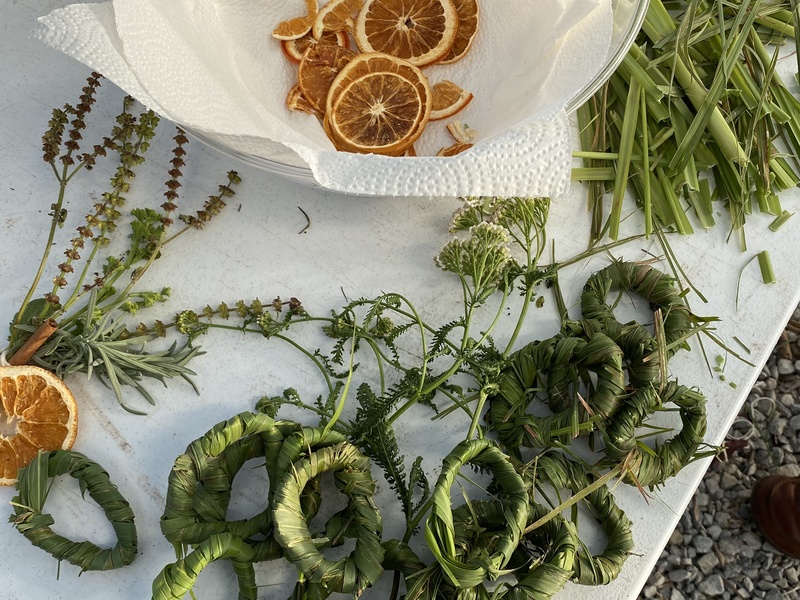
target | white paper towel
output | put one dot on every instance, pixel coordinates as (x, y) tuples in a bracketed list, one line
[(213, 66)]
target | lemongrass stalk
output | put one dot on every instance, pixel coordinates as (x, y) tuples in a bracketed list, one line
[(765, 264), (776, 25), (704, 208), (625, 148), (780, 220), (682, 224), (588, 154), (657, 25), (647, 199), (708, 113), (593, 174)]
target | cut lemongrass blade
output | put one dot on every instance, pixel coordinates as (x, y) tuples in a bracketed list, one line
[(682, 224), (795, 18), (593, 174), (765, 264), (627, 135), (776, 25), (647, 199), (780, 220), (595, 155), (700, 201), (630, 69)]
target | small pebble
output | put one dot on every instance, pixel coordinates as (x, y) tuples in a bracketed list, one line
[(707, 562), (712, 586), (703, 544), (676, 595), (676, 539), (789, 470), (679, 575), (785, 366), (728, 481)]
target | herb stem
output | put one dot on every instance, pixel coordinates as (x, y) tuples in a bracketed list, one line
[(54, 224)]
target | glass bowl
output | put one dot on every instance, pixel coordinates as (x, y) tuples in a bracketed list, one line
[(628, 18)]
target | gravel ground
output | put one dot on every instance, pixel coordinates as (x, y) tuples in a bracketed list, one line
[(716, 550)]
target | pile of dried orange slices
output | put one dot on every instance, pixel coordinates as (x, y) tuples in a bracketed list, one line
[(378, 100)]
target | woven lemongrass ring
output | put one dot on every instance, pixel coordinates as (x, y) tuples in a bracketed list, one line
[(572, 359), (650, 469), (177, 579), (651, 284), (440, 530), (638, 346), (28, 518), (531, 370), (199, 484), (351, 469), (539, 577), (601, 569)]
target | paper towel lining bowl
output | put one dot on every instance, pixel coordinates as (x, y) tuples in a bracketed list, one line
[(628, 18)]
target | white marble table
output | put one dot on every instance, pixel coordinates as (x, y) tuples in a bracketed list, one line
[(354, 246)]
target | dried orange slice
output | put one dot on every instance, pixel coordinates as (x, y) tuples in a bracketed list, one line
[(40, 413), (461, 132), (456, 148), (312, 7), (294, 49), (335, 16), (320, 65), (296, 101), (378, 62), (468, 16), (380, 113), (293, 28), (419, 31), (448, 99)]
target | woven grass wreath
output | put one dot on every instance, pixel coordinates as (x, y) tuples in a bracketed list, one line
[(351, 470), (657, 288), (177, 579), (639, 347), (562, 473), (33, 490), (199, 484), (650, 468), (440, 533), (556, 365), (543, 561)]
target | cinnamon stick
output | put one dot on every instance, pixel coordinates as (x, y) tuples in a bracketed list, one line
[(33, 343)]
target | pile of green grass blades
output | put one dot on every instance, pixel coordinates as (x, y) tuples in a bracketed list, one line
[(695, 114)]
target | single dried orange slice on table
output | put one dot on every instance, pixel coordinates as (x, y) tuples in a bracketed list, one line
[(419, 31), (39, 412)]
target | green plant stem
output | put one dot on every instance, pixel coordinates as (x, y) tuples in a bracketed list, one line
[(531, 264), (62, 189)]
